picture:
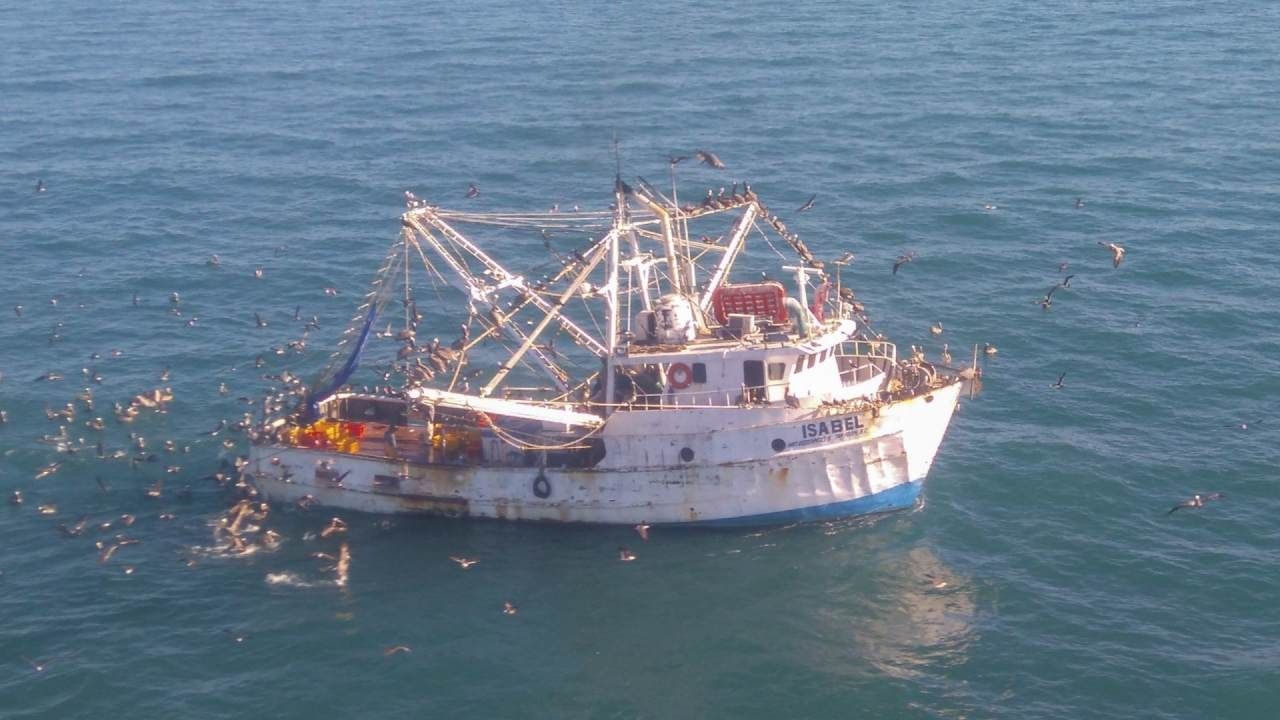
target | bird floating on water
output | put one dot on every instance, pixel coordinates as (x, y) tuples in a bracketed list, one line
[(936, 328), (989, 350)]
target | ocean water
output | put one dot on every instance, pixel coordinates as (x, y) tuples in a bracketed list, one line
[(1040, 578)]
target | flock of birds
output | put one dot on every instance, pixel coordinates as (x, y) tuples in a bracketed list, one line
[(242, 529)]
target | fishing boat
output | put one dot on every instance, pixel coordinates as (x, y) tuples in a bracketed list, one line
[(679, 393)]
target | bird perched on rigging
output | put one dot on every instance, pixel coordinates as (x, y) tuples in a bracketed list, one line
[(706, 157), (1117, 252)]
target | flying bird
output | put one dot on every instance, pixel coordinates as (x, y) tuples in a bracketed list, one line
[(643, 531), (463, 562), (1117, 252), (1066, 281), (1196, 501), (706, 157), (1058, 385), (903, 260), (472, 191), (808, 204)]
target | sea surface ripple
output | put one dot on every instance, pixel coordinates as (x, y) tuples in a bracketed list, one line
[(1041, 578)]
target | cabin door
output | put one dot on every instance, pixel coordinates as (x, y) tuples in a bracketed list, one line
[(753, 379)]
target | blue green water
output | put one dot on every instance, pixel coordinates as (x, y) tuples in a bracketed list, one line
[(1041, 578)]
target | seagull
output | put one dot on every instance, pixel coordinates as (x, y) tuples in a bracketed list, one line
[(509, 609), (643, 531), (17, 310), (706, 157), (1066, 281), (1245, 425), (47, 470), (37, 665), (1117, 252), (625, 555), (674, 160), (257, 272), (472, 191), (214, 261), (903, 260), (40, 185), (1196, 501), (844, 259), (1062, 266), (989, 349), (396, 650), (808, 204), (1079, 203), (1046, 302), (463, 562), (1058, 385), (945, 357), (335, 526), (936, 328), (989, 207), (258, 319)]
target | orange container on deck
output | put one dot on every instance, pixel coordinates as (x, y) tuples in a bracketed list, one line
[(355, 430)]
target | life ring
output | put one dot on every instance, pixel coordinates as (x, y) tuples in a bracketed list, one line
[(679, 376), (542, 486)]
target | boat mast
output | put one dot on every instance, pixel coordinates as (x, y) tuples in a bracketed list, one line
[(620, 225)]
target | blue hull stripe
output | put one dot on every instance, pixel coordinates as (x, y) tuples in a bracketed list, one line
[(895, 498)]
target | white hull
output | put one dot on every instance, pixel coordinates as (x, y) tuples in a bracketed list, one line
[(828, 466)]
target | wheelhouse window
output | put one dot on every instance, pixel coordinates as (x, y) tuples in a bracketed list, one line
[(777, 370), (812, 360), (799, 363), (699, 373)]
